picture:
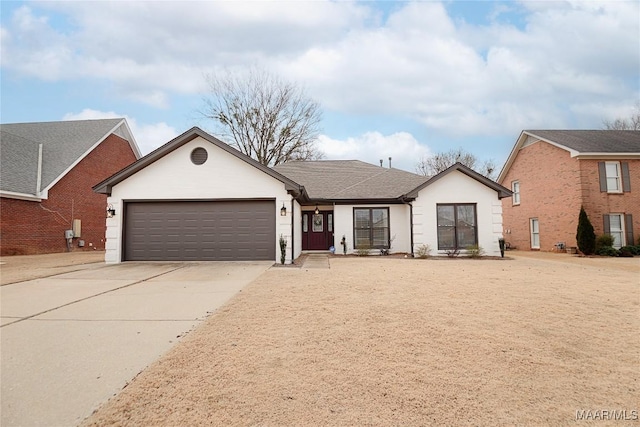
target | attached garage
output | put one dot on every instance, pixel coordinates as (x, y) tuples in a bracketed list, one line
[(198, 199), (235, 230)]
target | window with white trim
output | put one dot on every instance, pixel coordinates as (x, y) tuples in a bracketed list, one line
[(515, 188), (612, 170), (616, 229), (534, 226)]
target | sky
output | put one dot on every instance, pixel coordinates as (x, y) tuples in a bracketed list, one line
[(393, 78)]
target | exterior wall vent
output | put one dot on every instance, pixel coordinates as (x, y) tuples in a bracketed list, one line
[(199, 156)]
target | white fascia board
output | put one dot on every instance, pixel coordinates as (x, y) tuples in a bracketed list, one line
[(20, 196), (86, 153), (608, 156), (572, 153), (512, 156), (130, 137), (518, 145)]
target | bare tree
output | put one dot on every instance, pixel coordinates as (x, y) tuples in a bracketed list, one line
[(264, 117), (435, 164), (631, 123)]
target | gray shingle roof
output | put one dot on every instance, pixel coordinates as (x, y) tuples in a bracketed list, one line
[(63, 143), (349, 179), (593, 141)]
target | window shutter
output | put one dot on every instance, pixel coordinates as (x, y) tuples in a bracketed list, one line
[(607, 224), (626, 180), (603, 176), (628, 227)]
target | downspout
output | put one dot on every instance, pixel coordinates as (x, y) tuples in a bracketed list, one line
[(293, 252), (39, 176), (404, 200), (411, 226)]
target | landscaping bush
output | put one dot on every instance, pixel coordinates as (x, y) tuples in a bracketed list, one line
[(633, 250), (363, 250), (607, 251), (604, 240), (452, 253), (283, 249), (585, 236), (625, 252), (475, 251), (423, 251)]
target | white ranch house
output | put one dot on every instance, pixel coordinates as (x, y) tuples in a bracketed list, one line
[(197, 198)]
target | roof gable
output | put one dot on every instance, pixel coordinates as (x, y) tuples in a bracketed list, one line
[(106, 186), (580, 144), (27, 170), (502, 191)]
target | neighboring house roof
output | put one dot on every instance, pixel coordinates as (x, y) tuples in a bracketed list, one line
[(35, 156), (581, 144), (193, 133), (502, 191), (350, 179)]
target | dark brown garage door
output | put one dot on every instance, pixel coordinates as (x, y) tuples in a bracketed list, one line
[(200, 231)]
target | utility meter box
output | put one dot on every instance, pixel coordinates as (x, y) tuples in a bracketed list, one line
[(68, 234)]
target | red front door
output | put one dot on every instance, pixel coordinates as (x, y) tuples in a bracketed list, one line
[(317, 231)]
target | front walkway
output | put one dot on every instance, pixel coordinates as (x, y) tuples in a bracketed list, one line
[(316, 261)]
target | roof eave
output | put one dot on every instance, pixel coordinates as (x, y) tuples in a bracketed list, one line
[(518, 145), (130, 138), (607, 156), (357, 201), (131, 141), (20, 196)]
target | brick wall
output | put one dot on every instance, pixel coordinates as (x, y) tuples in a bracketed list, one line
[(597, 203), (38, 227), (549, 191)]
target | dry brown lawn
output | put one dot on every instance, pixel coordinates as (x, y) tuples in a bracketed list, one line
[(383, 341)]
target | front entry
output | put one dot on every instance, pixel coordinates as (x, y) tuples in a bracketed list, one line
[(317, 230)]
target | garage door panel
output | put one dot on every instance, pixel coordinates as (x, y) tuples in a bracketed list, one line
[(230, 230)]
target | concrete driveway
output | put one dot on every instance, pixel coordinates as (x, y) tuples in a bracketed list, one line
[(73, 340)]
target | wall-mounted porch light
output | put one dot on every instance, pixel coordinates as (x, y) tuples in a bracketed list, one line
[(317, 211), (283, 210), (111, 212)]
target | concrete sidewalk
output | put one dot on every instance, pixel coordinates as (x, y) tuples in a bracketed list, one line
[(71, 341), (316, 261)]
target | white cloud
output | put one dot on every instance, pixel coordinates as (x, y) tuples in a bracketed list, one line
[(453, 77), (149, 49), (372, 147), (149, 136)]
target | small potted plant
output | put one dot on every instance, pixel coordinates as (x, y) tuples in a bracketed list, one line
[(283, 249)]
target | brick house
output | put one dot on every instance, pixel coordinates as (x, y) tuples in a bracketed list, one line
[(554, 172), (47, 172)]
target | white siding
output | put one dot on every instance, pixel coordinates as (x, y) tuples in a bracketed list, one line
[(399, 226), (457, 187), (175, 177), (297, 229)]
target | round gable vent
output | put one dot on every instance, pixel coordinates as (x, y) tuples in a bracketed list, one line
[(199, 156)]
